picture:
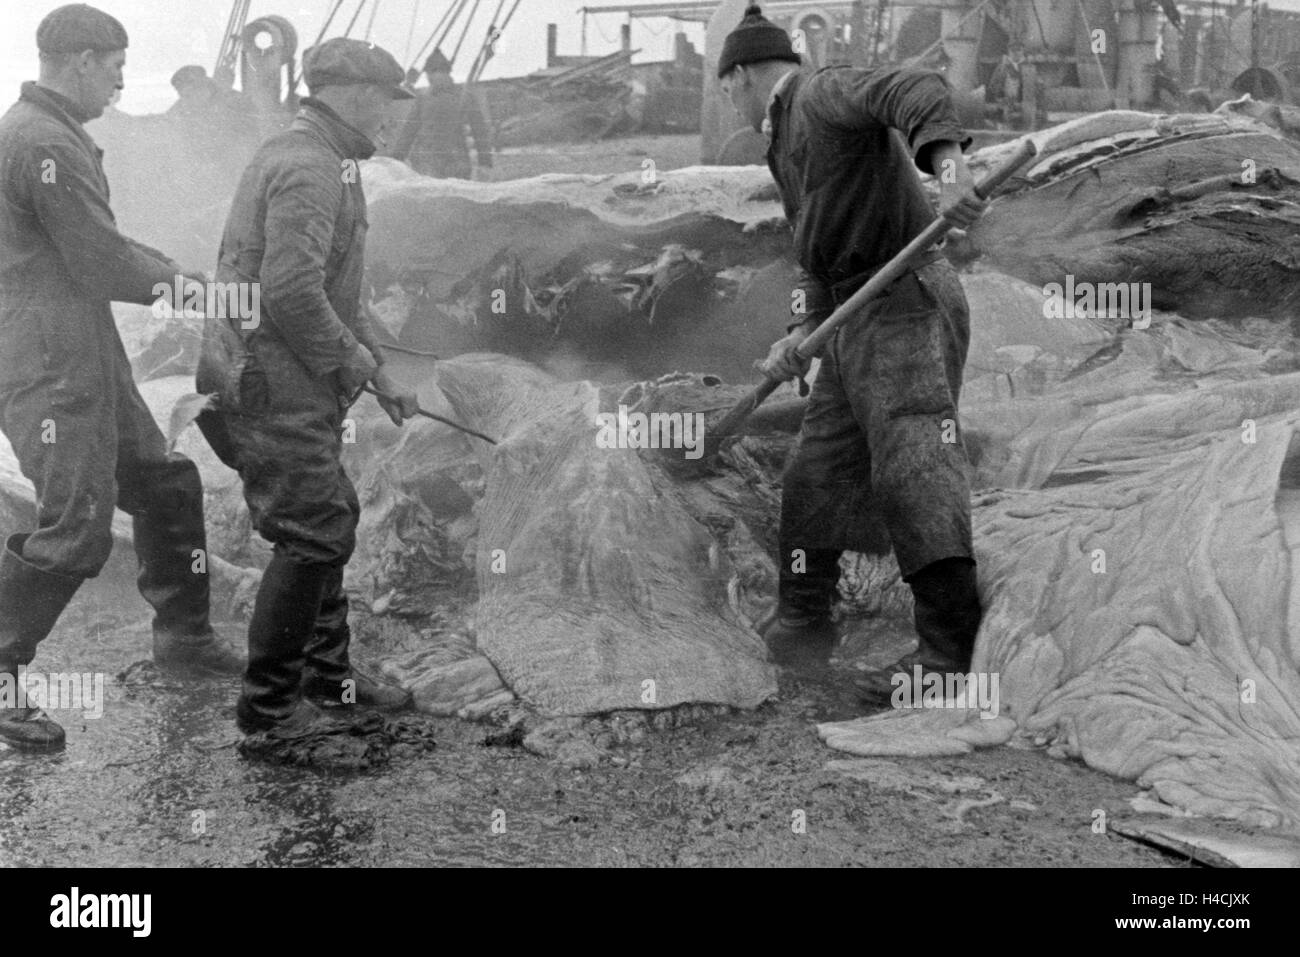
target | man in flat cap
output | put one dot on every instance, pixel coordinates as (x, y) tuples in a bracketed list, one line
[(433, 140), (68, 404), (298, 226), (878, 444)]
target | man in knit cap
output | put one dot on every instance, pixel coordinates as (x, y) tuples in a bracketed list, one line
[(432, 140), (68, 404), (878, 462)]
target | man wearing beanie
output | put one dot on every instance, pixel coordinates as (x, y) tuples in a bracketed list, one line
[(433, 140), (297, 227), (68, 403), (878, 460)]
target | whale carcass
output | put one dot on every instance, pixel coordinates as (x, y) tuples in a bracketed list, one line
[(1204, 208)]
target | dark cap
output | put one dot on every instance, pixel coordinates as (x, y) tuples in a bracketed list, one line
[(342, 61), (188, 76), (437, 63), (77, 27), (756, 39)]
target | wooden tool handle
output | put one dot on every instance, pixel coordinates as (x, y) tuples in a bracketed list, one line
[(902, 262), (875, 286)]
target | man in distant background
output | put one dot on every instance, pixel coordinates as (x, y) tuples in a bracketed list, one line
[(433, 140), (196, 90), (200, 94), (1006, 84)]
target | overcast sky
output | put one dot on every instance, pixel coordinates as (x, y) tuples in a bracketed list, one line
[(167, 34)]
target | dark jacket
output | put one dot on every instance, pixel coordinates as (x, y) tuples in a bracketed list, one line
[(847, 181), (62, 259), (433, 141), (297, 226)]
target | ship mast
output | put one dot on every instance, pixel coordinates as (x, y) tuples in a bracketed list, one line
[(224, 70)]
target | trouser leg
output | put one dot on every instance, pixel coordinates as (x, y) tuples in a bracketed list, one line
[(66, 445), (287, 448), (825, 501), (63, 438), (905, 365), (163, 493), (902, 371)]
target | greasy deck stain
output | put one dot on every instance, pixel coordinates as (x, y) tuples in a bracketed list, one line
[(156, 781)]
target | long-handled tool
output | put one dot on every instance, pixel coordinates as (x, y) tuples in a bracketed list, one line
[(874, 287), (437, 418)]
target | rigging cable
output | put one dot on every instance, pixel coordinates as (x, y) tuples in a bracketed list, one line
[(464, 32)]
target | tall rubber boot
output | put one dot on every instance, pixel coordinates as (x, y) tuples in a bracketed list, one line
[(166, 539), (948, 612), (283, 618), (31, 601), (800, 631), (329, 678), (947, 618)]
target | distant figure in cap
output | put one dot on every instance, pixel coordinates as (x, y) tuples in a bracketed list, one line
[(219, 128), (68, 403), (297, 227), (197, 90), (873, 465), (433, 140), (201, 95), (1006, 85)]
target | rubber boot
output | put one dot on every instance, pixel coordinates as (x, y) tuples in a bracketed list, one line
[(283, 617), (947, 618), (800, 632), (31, 601), (329, 678), (166, 539)]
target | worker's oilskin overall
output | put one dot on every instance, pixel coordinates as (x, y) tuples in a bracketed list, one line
[(70, 408), (297, 226), (879, 458)]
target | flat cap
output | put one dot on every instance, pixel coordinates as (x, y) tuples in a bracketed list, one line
[(77, 27), (188, 75), (342, 61)]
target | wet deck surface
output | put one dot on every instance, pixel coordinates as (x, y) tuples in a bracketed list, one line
[(157, 780)]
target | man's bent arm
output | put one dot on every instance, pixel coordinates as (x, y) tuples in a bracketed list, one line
[(79, 222), (917, 103), (302, 204), (810, 304)]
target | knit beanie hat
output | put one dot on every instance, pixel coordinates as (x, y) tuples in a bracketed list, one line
[(757, 38)]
